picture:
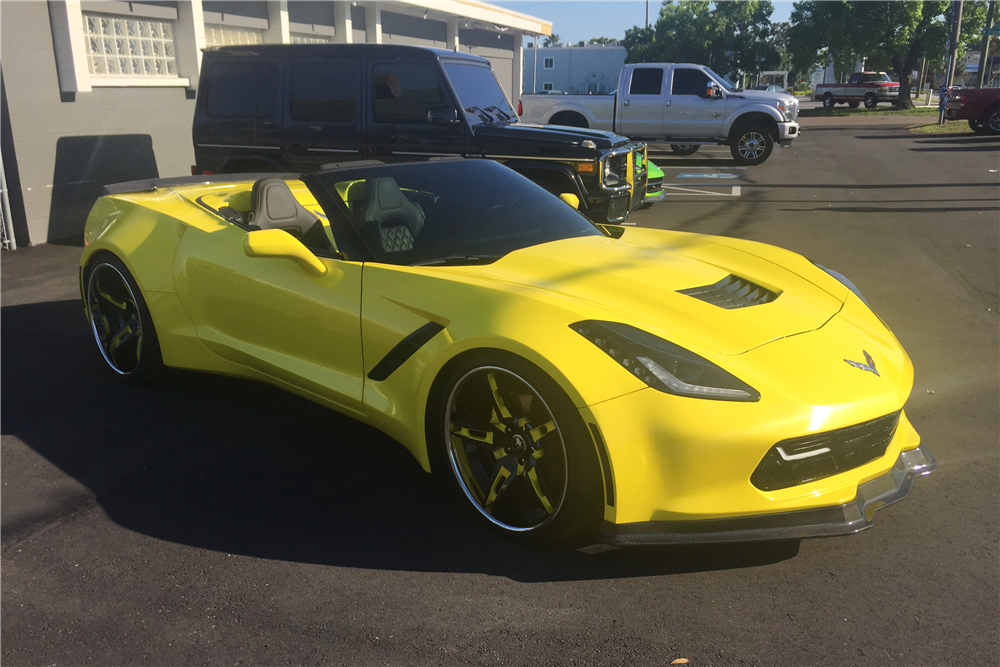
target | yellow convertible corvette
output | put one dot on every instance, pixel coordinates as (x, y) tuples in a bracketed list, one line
[(569, 381)]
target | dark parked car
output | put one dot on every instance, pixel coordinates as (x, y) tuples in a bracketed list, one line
[(981, 107), (293, 108)]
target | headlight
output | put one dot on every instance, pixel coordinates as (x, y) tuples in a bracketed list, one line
[(614, 171), (845, 281), (782, 108), (662, 365)]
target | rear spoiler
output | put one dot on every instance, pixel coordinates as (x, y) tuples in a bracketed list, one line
[(151, 184)]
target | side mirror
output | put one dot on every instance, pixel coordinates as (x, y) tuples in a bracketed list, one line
[(714, 91), (279, 243), (443, 115), (570, 199)]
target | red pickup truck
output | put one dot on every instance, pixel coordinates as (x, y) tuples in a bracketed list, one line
[(981, 106), (868, 87)]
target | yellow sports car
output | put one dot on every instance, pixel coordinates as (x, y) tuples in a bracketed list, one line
[(570, 381)]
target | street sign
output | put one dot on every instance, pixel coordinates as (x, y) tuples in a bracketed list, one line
[(995, 30)]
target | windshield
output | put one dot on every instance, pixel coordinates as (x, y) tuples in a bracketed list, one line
[(871, 78), (723, 81), (450, 212), (480, 94)]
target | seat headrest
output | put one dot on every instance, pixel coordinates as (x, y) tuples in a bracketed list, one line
[(273, 206)]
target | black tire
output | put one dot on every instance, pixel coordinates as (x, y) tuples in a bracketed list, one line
[(120, 320), (854, 105), (685, 149), (536, 480), (990, 120), (976, 125), (828, 101), (569, 119), (751, 144), (870, 101)]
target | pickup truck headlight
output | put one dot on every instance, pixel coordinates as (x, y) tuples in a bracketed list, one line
[(783, 108), (662, 365)]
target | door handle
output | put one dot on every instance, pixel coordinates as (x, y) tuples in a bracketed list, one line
[(667, 103), (716, 115), (625, 103)]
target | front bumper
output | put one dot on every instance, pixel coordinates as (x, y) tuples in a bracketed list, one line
[(851, 517), (787, 132), (888, 96)]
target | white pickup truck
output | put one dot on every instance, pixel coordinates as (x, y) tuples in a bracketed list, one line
[(681, 104)]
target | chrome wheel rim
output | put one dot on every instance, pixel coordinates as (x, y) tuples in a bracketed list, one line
[(828, 101), (506, 449), (114, 319), (752, 145)]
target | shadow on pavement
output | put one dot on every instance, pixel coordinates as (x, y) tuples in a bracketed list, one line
[(240, 467)]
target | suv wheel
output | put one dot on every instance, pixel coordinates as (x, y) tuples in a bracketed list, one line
[(752, 144)]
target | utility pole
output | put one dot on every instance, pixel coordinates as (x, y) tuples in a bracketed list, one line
[(953, 52), (985, 51), (647, 13), (955, 31)]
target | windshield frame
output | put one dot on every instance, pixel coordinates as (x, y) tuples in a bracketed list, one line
[(486, 115), (544, 217)]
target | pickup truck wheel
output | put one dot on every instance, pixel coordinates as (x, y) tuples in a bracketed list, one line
[(870, 101), (854, 105), (685, 149), (991, 120), (828, 101), (752, 144)]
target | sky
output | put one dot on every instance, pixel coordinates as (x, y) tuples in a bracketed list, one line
[(580, 20)]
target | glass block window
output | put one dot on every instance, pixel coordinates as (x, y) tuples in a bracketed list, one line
[(219, 35), (119, 46), (310, 39)]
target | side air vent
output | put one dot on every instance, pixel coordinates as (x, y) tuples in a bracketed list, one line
[(732, 292)]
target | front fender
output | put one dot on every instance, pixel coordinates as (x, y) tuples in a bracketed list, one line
[(756, 109)]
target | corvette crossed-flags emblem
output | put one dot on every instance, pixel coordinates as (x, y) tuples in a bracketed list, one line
[(869, 364)]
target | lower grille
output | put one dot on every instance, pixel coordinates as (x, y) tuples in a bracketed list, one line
[(618, 207), (806, 459)]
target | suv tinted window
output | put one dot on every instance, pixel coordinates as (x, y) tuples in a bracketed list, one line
[(405, 93), (324, 90), (646, 81), (243, 90), (690, 82)]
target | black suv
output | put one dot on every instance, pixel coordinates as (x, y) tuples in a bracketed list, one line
[(293, 108)]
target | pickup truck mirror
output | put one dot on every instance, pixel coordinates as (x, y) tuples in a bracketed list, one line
[(714, 91), (443, 115), (279, 243)]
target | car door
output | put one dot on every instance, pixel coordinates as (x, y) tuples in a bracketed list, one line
[(401, 93), (693, 113), (855, 89), (323, 115), (238, 119), (268, 314), (642, 105)]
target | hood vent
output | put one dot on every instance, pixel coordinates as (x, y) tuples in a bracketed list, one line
[(732, 292)]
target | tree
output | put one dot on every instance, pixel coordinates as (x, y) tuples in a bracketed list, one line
[(890, 35), (551, 40), (726, 36), (601, 40)]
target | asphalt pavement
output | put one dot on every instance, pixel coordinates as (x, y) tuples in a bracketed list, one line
[(208, 520)]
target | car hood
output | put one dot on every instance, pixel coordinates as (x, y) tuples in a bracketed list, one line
[(542, 140), (765, 96), (635, 280)]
